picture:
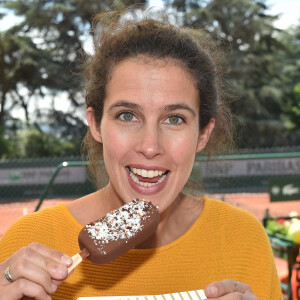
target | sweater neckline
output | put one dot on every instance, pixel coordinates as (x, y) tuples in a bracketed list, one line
[(198, 222)]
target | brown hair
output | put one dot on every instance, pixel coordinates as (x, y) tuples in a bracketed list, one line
[(118, 36)]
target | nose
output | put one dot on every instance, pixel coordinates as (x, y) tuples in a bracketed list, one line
[(149, 142)]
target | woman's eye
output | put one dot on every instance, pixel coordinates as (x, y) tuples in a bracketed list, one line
[(174, 120), (126, 116)]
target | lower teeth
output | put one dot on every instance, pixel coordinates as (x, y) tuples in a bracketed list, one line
[(146, 184)]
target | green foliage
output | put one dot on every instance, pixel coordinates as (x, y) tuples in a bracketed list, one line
[(277, 227), (263, 67), (43, 54), (290, 83), (292, 108), (4, 144), (31, 142)]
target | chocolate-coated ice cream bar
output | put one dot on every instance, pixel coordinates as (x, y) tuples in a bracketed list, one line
[(117, 232)]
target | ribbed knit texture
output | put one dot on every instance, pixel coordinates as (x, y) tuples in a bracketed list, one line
[(224, 242)]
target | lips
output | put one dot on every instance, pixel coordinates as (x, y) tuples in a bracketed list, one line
[(147, 181)]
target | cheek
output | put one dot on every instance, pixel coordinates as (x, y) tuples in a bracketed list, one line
[(183, 146), (116, 144)]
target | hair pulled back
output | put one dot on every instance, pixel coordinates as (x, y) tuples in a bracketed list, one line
[(118, 36)]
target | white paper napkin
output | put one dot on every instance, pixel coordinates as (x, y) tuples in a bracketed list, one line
[(188, 295)]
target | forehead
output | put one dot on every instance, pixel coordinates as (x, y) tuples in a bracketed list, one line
[(143, 78), (144, 61)]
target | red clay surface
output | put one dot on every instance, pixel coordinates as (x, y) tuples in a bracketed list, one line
[(257, 204), (10, 212)]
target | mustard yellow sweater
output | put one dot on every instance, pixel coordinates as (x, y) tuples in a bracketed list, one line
[(224, 242)]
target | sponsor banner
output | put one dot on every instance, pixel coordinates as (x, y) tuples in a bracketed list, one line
[(248, 167), (284, 189), (41, 176)]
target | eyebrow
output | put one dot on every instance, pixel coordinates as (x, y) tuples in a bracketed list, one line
[(126, 104), (173, 107), (167, 108)]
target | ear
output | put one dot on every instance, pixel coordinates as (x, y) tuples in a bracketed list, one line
[(94, 126), (204, 135)]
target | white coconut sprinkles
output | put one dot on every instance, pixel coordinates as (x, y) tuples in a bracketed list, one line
[(121, 223)]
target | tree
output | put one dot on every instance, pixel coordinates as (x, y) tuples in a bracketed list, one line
[(43, 55), (22, 76), (293, 108), (290, 84), (254, 73)]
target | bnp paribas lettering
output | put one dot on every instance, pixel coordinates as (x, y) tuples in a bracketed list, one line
[(217, 168), (279, 166)]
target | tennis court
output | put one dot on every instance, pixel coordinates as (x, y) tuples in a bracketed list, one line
[(255, 203)]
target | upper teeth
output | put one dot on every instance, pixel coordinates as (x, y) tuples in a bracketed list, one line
[(146, 173)]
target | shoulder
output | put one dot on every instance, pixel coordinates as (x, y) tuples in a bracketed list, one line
[(233, 219), (40, 219), (243, 246), (237, 230), (46, 226), (224, 211)]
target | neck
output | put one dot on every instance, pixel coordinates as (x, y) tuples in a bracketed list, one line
[(175, 221)]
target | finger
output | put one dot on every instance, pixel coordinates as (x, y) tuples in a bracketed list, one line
[(23, 288), (32, 272), (58, 282), (52, 254), (235, 296), (36, 250), (223, 287), (55, 262), (21, 260), (29, 262)]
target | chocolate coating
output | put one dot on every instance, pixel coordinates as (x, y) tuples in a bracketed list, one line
[(119, 231)]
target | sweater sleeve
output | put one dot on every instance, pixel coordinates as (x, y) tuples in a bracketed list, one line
[(245, 250), (19, 234), (264, 260), (276, 292)]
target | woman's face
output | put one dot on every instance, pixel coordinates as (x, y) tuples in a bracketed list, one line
[(149, 130)]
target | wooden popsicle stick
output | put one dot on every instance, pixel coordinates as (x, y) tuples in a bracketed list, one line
[(77, 259)]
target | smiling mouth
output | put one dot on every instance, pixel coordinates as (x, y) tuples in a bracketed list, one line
[(147, 178)]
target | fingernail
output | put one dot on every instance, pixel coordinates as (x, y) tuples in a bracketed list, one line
[(49, 297), (66, 259), (53, 287), (211, 291)]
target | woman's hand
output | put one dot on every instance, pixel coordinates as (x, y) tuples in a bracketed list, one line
[(36, 271), (229, 290)]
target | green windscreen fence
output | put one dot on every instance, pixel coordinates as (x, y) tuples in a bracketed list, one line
[(246, 173), (22, 179)]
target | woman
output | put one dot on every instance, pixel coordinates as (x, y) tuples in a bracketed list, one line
[(153, 102)]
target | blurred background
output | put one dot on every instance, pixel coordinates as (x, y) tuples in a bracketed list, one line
[(42, 113), (43, 44)]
